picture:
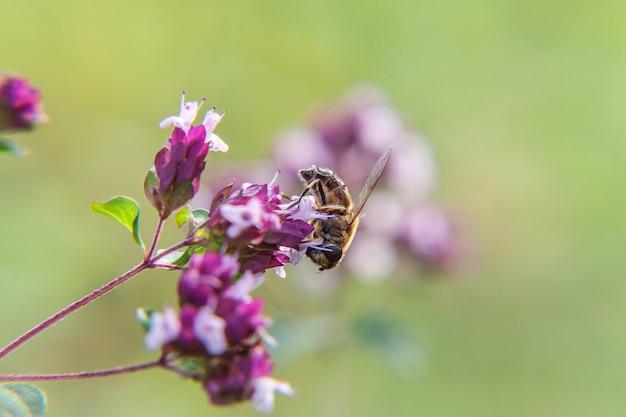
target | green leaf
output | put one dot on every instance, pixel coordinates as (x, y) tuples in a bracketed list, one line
[(151, 187), (192, 365), (199, 216), (10, 147), (177, 258), (144, 316), (195, 217), (21, 400), (182, 216), (185, 257), (123, 210)]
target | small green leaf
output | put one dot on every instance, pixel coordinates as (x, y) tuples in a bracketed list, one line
[(177, 258), (182, 216), (151, 187), (199, 216), (10, 147), (195, 217), (185, 257), (144, 316), (123, 210), (21, 400), (170, 257), (192, 365)]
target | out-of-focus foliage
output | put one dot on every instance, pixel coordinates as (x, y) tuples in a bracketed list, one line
[(522, 102), (21, 400)]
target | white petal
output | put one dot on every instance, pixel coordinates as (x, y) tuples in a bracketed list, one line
[(211, 120), (280, 271), (242, 216), (168, 121), (264, 389), (164, 327), (267, 338), (209, 329), (244, 286), (188, 113), (217, 144)]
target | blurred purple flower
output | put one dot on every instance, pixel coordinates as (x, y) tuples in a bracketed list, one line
[(207, 277), (222, 324), (245, 376), (432, 236), (20, 105), (348, 137)]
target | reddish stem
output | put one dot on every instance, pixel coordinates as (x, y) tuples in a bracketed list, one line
[(157, 234), (82, 375), (88, 298)]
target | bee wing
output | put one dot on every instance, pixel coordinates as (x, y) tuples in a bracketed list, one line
[(372, 180)]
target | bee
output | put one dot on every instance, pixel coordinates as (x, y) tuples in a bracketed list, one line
[(332, 197)]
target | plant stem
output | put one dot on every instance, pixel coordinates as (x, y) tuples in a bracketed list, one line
[(146, 264), (73, 307), (155, 239), (82, 375)]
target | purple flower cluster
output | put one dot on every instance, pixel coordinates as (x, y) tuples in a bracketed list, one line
[(222, 327), (403, 227), (219, 325), (180, 163), (264, 232), (20, 105)]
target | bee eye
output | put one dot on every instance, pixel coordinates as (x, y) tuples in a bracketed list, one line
[(333, 253)]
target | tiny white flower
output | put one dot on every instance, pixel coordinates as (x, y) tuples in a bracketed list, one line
[(210, 122), (209, 329), (296, 255), (188, 113), (280, 271), (242, 216), (244, 286), (212, 119), (164, 327), (264, 389), (216, 144)]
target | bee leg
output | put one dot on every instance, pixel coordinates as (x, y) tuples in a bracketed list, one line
[(303, 193)]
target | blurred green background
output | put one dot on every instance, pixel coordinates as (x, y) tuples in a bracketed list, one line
[(523, 103)]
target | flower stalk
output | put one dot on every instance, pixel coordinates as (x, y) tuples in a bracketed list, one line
[(76, 305)]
